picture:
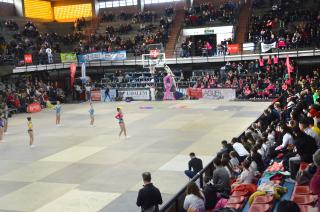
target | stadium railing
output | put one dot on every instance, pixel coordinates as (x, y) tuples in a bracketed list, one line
[(175, 204), (137, 60)]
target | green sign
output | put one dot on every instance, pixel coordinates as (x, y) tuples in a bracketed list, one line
[(68, 57)]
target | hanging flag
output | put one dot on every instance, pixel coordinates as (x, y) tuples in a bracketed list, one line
[(261, 62), (73, 68), (269, 60), (275, 60), (289, 68)]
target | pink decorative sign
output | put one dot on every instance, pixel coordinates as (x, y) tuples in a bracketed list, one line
[(168, 82)]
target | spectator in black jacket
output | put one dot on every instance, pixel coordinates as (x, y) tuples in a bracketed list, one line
[(257, 158), (226, 148), (210, 194), (149, 196), (195, 166), (306, 146)]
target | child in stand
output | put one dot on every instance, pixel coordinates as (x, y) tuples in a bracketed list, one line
[(91, 112), (58, 112), (30, 132)]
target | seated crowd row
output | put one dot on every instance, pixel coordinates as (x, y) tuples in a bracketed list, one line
[(271, 152)]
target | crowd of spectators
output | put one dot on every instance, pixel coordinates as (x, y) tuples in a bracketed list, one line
[(43, 46), (250, 78), (137, 44), (79, 24), (203, 46), (141, 17), (17, 95), (288, 23), (206, 13), (283, 140)]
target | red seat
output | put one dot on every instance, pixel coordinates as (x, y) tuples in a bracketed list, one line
[(265, 199), (303, 166), (235, 206), (304, 199), (260, 208), (302, 190), (236, 200), (240, 193), (304, 208)]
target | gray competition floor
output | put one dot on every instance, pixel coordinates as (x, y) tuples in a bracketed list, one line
[(75, 168)]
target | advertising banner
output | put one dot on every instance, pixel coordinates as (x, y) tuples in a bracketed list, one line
[(112, 94), (68, 57), (217, 93), (233, 48), (248, 47), (28, 58), (101, 56), (194, 93), (136, 94), (34, 107), (96, 95), (208, 30), (267, 47)]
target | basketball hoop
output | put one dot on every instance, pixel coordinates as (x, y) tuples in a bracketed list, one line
[(155, 57), (152, 69), (154, 53)]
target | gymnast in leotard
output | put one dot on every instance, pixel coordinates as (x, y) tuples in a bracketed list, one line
[(119, 116)]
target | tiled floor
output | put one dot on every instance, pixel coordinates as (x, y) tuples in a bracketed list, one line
[(78, 168)]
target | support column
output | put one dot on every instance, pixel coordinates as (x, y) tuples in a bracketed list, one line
[(140, 5), (19, 7), (189, 3)]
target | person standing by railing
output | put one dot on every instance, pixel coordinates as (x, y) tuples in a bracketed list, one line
[(149, 197)]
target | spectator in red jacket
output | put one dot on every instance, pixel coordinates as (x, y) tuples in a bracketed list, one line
[(315, 181)]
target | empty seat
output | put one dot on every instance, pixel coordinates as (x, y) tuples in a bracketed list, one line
[(240, 193), (260, 208), (302, 190), (236, 200), (235, 206), (304, 199), (265, 199)]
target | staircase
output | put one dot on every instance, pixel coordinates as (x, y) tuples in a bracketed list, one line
[(244, 21), (174, 33)]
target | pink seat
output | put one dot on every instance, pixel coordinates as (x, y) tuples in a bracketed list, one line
[(265, 199), (236, 200), (240, 193), (260, 208), (302, 190), (235, 206), (305, 199)]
